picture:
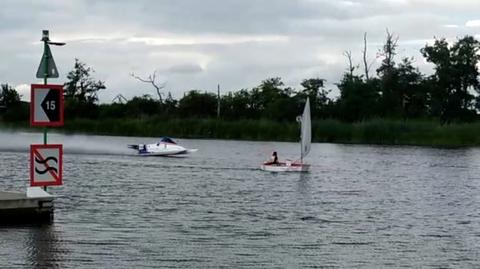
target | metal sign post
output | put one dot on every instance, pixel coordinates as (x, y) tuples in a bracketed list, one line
[(46, 109), (47, 67)]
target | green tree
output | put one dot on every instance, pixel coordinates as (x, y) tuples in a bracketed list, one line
[(80, 86), (319, 100), (237, 105), (170, 106), (12, 109), (358, 98), (412, 90), (456, 76), (391, 100), (81, 92), (142, 106), (197, 104), (9, 96), (270, 99), (282, 109)]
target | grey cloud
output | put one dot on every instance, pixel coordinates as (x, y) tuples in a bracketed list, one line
[(316, 33), (185, 69)]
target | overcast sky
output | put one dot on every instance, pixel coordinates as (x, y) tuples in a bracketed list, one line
[(196, 44)]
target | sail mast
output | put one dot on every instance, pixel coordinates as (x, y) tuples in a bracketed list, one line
[(301, 144)]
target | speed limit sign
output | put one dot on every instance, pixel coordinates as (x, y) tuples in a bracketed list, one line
[(46, 105)]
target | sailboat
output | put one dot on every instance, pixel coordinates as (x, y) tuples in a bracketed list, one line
[(305, 144)]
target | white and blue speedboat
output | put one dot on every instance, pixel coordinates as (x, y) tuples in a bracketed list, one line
[(165, 147)]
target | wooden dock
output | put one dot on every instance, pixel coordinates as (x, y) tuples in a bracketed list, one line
[(34, 206)]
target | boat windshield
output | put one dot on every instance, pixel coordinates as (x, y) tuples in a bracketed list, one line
[(167, 140)]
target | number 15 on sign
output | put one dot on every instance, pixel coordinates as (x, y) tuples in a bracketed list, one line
[(46, 105)]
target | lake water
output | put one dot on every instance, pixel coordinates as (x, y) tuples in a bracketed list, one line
[(360, 206)]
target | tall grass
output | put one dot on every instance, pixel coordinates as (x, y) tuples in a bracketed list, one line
[(375, 131)]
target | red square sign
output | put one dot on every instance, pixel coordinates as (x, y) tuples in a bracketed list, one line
[(46, 165), (46, 105)]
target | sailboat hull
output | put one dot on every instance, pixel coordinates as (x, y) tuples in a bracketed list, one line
[(286, 167)]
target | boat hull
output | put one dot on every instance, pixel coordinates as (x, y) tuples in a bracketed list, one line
[(286, 167), (160, 149), (168, 153)]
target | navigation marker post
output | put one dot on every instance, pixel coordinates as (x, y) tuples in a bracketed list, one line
[(46, 109), (47, 68), (46, 104)]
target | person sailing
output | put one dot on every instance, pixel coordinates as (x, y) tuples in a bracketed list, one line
[(273, 159)]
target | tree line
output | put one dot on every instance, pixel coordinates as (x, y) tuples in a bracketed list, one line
[(397, 90)]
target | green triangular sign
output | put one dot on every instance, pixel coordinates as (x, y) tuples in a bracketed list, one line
[(47, 67)]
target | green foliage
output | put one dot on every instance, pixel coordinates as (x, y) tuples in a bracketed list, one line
[(11, 108), (237, 105), (456, 73), (142, 106), (391, 98), (188, 128), (412, 90), (77, 109), (81, 87), (81, 93), (385, 109), (358, 99), (197, 104), (8, 96), (374, 131), (332, 131), (16, 112), (319, 100)]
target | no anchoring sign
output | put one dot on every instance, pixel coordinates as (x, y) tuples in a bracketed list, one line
[(46, 165), (46, 105)]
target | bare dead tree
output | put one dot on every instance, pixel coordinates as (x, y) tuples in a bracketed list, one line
[(365, 64), (388, 53), (351, 68), (151, 79)]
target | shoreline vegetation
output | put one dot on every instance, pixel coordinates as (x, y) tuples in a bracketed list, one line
[(392, 104), (374, 131)]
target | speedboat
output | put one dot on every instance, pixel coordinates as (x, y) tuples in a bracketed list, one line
[(165, 147)]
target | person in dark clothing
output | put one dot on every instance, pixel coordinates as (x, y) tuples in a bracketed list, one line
[(273, 159)]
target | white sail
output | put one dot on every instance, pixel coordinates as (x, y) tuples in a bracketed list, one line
[(306, 130)]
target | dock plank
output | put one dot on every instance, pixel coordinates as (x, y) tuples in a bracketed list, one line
[(4, 195)]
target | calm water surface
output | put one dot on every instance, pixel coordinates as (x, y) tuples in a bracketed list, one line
[(360, 206)]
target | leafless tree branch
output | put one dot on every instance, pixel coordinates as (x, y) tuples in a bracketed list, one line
[(365, 63), (351, 68), (151, 79)]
